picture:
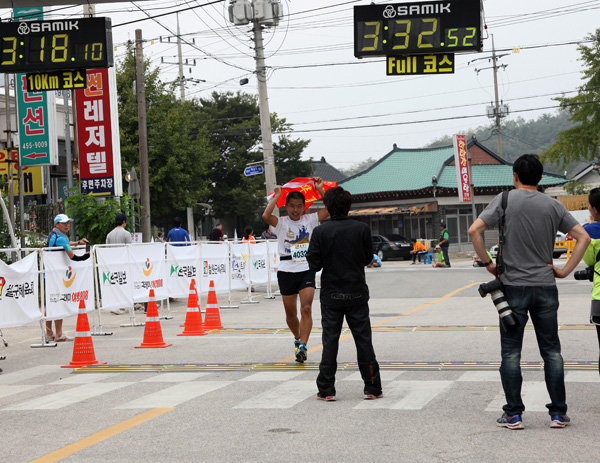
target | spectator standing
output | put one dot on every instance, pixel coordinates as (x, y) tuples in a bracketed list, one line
[(177, 234), (267, 235), (419, 249), (444, 243), (119, 234), (248, 230), (531, 220), (58, 237), (217, 233), (342, 247)]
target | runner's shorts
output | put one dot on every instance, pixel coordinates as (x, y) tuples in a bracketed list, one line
[(291, 283)]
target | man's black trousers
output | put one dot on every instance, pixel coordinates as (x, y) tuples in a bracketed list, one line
[(357, 317)]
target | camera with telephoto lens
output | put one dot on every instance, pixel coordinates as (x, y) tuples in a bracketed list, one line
[(494, 289), (587, 274)]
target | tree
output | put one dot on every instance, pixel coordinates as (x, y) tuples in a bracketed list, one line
[(359, 167), (581, 142), (232, 122), (179, 153)]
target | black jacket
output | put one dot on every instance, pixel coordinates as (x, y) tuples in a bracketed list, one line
[(341, 247)]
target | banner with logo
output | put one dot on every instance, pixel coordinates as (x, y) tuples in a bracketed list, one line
[(67, 283), (114, 278), (259, 272), (463, 176), (147, 269), (215, 267), (273, 259), (239, 265), (19, 292), (183, 264)]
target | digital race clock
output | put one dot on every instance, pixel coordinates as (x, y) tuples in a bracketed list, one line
[(82, 43), (417, 28)]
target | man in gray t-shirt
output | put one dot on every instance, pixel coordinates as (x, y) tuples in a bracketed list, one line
[(119, 235), (531, 221)]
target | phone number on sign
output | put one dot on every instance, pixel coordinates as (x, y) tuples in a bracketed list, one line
[(37, 144)]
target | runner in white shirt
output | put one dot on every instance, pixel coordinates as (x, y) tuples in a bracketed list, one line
[(293, 275)]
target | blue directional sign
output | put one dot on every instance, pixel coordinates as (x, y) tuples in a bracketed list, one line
[(254, 170)]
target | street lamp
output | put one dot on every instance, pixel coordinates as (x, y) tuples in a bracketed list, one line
[(133, 190)]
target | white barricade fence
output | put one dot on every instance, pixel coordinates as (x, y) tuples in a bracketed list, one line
[(19, 292), (259, 270), (273, 258), (67, 283), (114, 277), (215, 267), (147, 267), (239, 265), (183, 264)]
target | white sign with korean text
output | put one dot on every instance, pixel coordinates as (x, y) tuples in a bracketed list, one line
[(19, 292), (183, 265), (215, 267), (114, 277), (147, 268)]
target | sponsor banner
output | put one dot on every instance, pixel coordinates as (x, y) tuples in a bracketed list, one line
[(19, 292), (215, 267), (239, 265), (259, 271), (183, 265), (273, 259), (67, 283), (461, 159), (114, 277), (147, 269)]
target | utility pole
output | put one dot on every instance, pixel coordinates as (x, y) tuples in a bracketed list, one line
[(179, 53), (143, 136), (68, 148)]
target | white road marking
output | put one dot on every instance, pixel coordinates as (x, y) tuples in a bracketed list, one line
[(175, 395), (5, 391), (285, 395), (480, 376), (272, 376), (173, 377), (386, 375), (534, 395), (582, 377), (85, 378), (68, 397), (407, 395), (13, 377)]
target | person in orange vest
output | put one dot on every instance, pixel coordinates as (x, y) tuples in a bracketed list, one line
[(248, 234), (418, 250)]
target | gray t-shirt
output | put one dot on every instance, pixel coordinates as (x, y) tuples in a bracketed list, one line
[(119, 236), (532, 219)]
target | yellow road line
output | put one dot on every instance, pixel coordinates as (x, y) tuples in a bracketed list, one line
[(291, 358), (101, 436)]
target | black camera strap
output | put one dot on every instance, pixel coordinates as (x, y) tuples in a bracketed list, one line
[(501, 239)]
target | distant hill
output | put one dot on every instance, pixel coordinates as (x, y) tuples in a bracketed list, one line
[(520, 136)]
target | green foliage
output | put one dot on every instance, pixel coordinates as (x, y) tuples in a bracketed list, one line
[(359, 167), (577, 187), (94, 217), (581, 142)]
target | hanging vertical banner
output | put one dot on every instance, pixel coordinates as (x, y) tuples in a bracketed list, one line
[(215, 267), (36, 112), (67, 283), (114, 277), (461, 159), (98, 134), (259, 272), (239, 265), (19, 292), (147, 269), (183, 264)]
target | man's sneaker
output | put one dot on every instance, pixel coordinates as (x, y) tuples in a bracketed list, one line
[(296, 345), (327, 398), (302, 354), (369, 396), (560, 421), (510, 421)]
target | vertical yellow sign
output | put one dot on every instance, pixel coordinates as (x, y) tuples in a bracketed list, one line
[(32, 176)]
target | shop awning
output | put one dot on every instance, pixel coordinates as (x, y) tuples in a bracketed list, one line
[(429, 207)]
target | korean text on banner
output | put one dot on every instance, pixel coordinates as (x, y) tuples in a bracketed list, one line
[(215, 267), (67, 283), (98, 134), (239, 265), (114, 277), (461, 159), (183, 264), (147, 269), (19, 292), (259, 272)]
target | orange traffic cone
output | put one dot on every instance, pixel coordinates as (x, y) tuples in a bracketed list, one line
[(152, 332), (212, 318), (83, 347), (193, 316)]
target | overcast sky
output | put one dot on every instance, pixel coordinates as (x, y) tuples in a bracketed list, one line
[(316, 83)]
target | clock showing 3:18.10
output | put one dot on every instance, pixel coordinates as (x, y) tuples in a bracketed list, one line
[(31, 46), (417, 28)]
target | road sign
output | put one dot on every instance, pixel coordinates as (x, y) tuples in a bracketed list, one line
[(254, 170)]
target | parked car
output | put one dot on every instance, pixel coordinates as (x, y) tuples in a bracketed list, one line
[(404, 245), (391, 246), (555, 254)]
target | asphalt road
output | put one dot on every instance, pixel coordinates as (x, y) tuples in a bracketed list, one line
[(237, 395)]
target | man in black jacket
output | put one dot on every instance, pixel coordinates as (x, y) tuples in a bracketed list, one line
[(342, 247)]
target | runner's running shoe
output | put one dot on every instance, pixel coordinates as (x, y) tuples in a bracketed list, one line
[(296, 345), (302, 353), (369, 396), (327, 398), (510, 421), (560, 421)]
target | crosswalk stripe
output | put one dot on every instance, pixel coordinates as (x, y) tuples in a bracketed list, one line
[(534, 395), (175, 395), (173, 377), (386, 375), (486, 376), (82, 379), (285, 395), (68, 397), (582, 377), (29, 373), (5, 391), (406, 395), (273, 376)]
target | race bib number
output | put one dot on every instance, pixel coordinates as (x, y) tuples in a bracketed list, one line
[(299, 253)]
